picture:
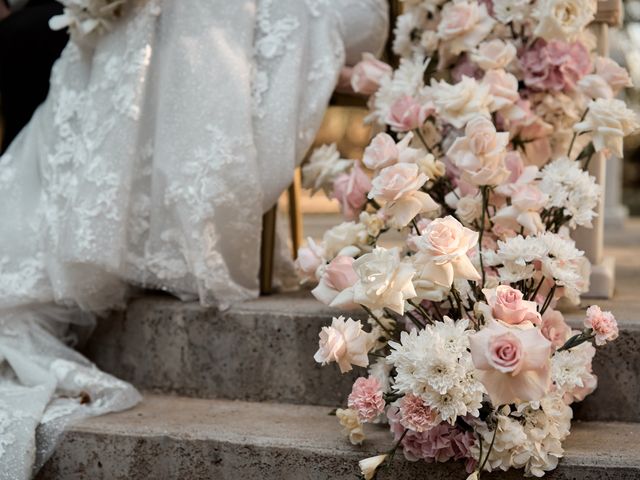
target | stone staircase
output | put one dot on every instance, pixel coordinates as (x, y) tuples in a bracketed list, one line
[(237, 394)]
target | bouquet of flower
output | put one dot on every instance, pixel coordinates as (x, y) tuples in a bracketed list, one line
[(490, 123)]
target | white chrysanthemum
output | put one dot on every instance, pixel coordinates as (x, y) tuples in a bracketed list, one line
[(435, 364), (513, 273), (520, 250), (565, 264), (572, 189), (563, 19), (460, 102), (508, 11)]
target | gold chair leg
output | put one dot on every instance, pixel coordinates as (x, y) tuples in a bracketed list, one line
[(267, 250), (295, 212)]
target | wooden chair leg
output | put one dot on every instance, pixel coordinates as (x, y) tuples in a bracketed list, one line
[(267, 250), (295, 212)]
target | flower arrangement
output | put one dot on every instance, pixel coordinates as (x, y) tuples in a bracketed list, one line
[(488, 128)]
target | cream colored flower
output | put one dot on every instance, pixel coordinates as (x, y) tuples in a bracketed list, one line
[(446, 242), (349, 420), (368, 466), (384, 281), (608, 121), (345, 343), (347, 238), (563, 19), (463, 25), (323, 167), (480, 153), (398, 187), (493, 54), (459, 103), (469, 208)]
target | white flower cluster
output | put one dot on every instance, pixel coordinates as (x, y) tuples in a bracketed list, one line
[(572, 190), (530, 437), (435, 364)]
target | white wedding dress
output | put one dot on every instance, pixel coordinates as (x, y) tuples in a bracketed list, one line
[(150, 164)]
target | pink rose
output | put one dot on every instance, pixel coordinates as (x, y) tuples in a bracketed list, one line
[(368, 73), (603, 324), (366, 398), (508, 306), (513, 363), (407, 113), (555, 65), (340, 273), (480, 153), (343, 342), (337, 277), (381, 152), (616, 76), (310, 258), (554, 328), (351, 189)]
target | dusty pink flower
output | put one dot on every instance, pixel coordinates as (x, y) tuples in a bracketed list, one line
[(513, 363), (343, 342), (616, 76), (537, 148), (465, 68), (368, 73), (417, 415), (441, 443), (555, 65), (604, 324), (351, 189), (508, 305), (308, 261), (366, 398), (381, 152), (407, 113), (554, 328)]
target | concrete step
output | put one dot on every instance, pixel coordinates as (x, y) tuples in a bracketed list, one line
[(263, 350), (178, 438)]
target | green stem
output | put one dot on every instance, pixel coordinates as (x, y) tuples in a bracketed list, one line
[(371, 314), (493, 439), (535, 292), (421, 310), (485, 199)]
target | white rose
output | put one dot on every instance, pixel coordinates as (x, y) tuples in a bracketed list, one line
[(373, 222), (310, 259), (425, 279), (323, 167), (381, 152), (459, 103), (563, 19), (347, 238), (503, 88), (463, 25), (384, 281), (608, 121), (494, 54), (345, 343)]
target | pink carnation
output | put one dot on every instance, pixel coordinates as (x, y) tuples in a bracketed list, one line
[(438, 444), (366, 398), (604, 324), (555, 65), (554, 328), (416, 415)]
